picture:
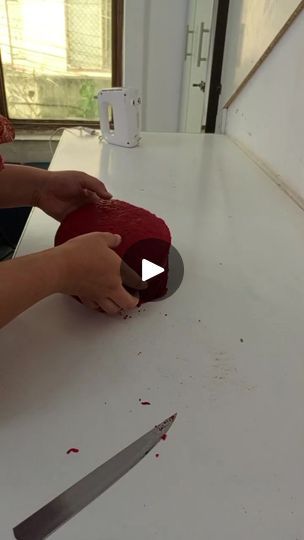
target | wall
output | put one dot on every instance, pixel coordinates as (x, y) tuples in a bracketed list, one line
[(268, 116), (155, 32), (252, 25)]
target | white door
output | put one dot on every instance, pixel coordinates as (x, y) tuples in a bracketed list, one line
[(197, 57)]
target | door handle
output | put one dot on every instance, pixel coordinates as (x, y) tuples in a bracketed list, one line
[(201, 85), (203, 31), (187, 40)]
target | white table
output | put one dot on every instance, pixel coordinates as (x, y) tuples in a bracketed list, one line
[(233, 465)]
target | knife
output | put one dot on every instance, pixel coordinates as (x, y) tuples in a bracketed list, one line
[(58, 511)]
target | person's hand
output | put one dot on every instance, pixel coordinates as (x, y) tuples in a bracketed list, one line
[(92, 271), (61, 192)]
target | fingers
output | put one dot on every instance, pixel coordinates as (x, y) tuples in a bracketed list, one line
[(123, 299), (85, 197), (112, 240), (96, 186), (131, 278), (109, 306), (89, 197), (89, 303), (99, 282), (106, 304)]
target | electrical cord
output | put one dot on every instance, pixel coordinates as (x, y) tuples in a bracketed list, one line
[(87, 130)]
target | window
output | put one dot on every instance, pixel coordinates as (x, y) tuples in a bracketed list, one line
[(55, 56)]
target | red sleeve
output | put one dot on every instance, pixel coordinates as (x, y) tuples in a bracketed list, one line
[(7, 134)]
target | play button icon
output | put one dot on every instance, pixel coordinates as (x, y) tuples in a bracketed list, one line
[(157, 263), (149, 270)]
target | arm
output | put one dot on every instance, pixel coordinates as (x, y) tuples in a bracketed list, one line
[(24, 281), (55, 192), (20, 184), (86, 267)]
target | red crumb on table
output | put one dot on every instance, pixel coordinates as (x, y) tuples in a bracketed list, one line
[(157, 455), (145, 403), (73, 451), (164, 436)]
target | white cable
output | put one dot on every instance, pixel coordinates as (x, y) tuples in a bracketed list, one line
[(89, 131)]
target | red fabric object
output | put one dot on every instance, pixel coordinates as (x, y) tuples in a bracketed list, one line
[(7, 134), (144, 236)]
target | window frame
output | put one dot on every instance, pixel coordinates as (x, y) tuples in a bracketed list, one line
[(117, 63)]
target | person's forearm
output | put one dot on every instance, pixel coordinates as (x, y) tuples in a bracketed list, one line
[(24, 281), (20, 185)]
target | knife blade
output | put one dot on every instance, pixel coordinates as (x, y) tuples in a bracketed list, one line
[(66, 505)]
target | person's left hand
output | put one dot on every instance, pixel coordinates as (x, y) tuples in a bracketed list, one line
[(61, 192)]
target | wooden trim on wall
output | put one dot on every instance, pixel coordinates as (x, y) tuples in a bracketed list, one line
[(117, 41), (269, 49)]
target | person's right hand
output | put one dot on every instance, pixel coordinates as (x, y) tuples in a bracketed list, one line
[(92, 271)]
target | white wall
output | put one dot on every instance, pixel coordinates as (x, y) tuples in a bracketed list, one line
[(268, 116), (252, 26), (155, 32)]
